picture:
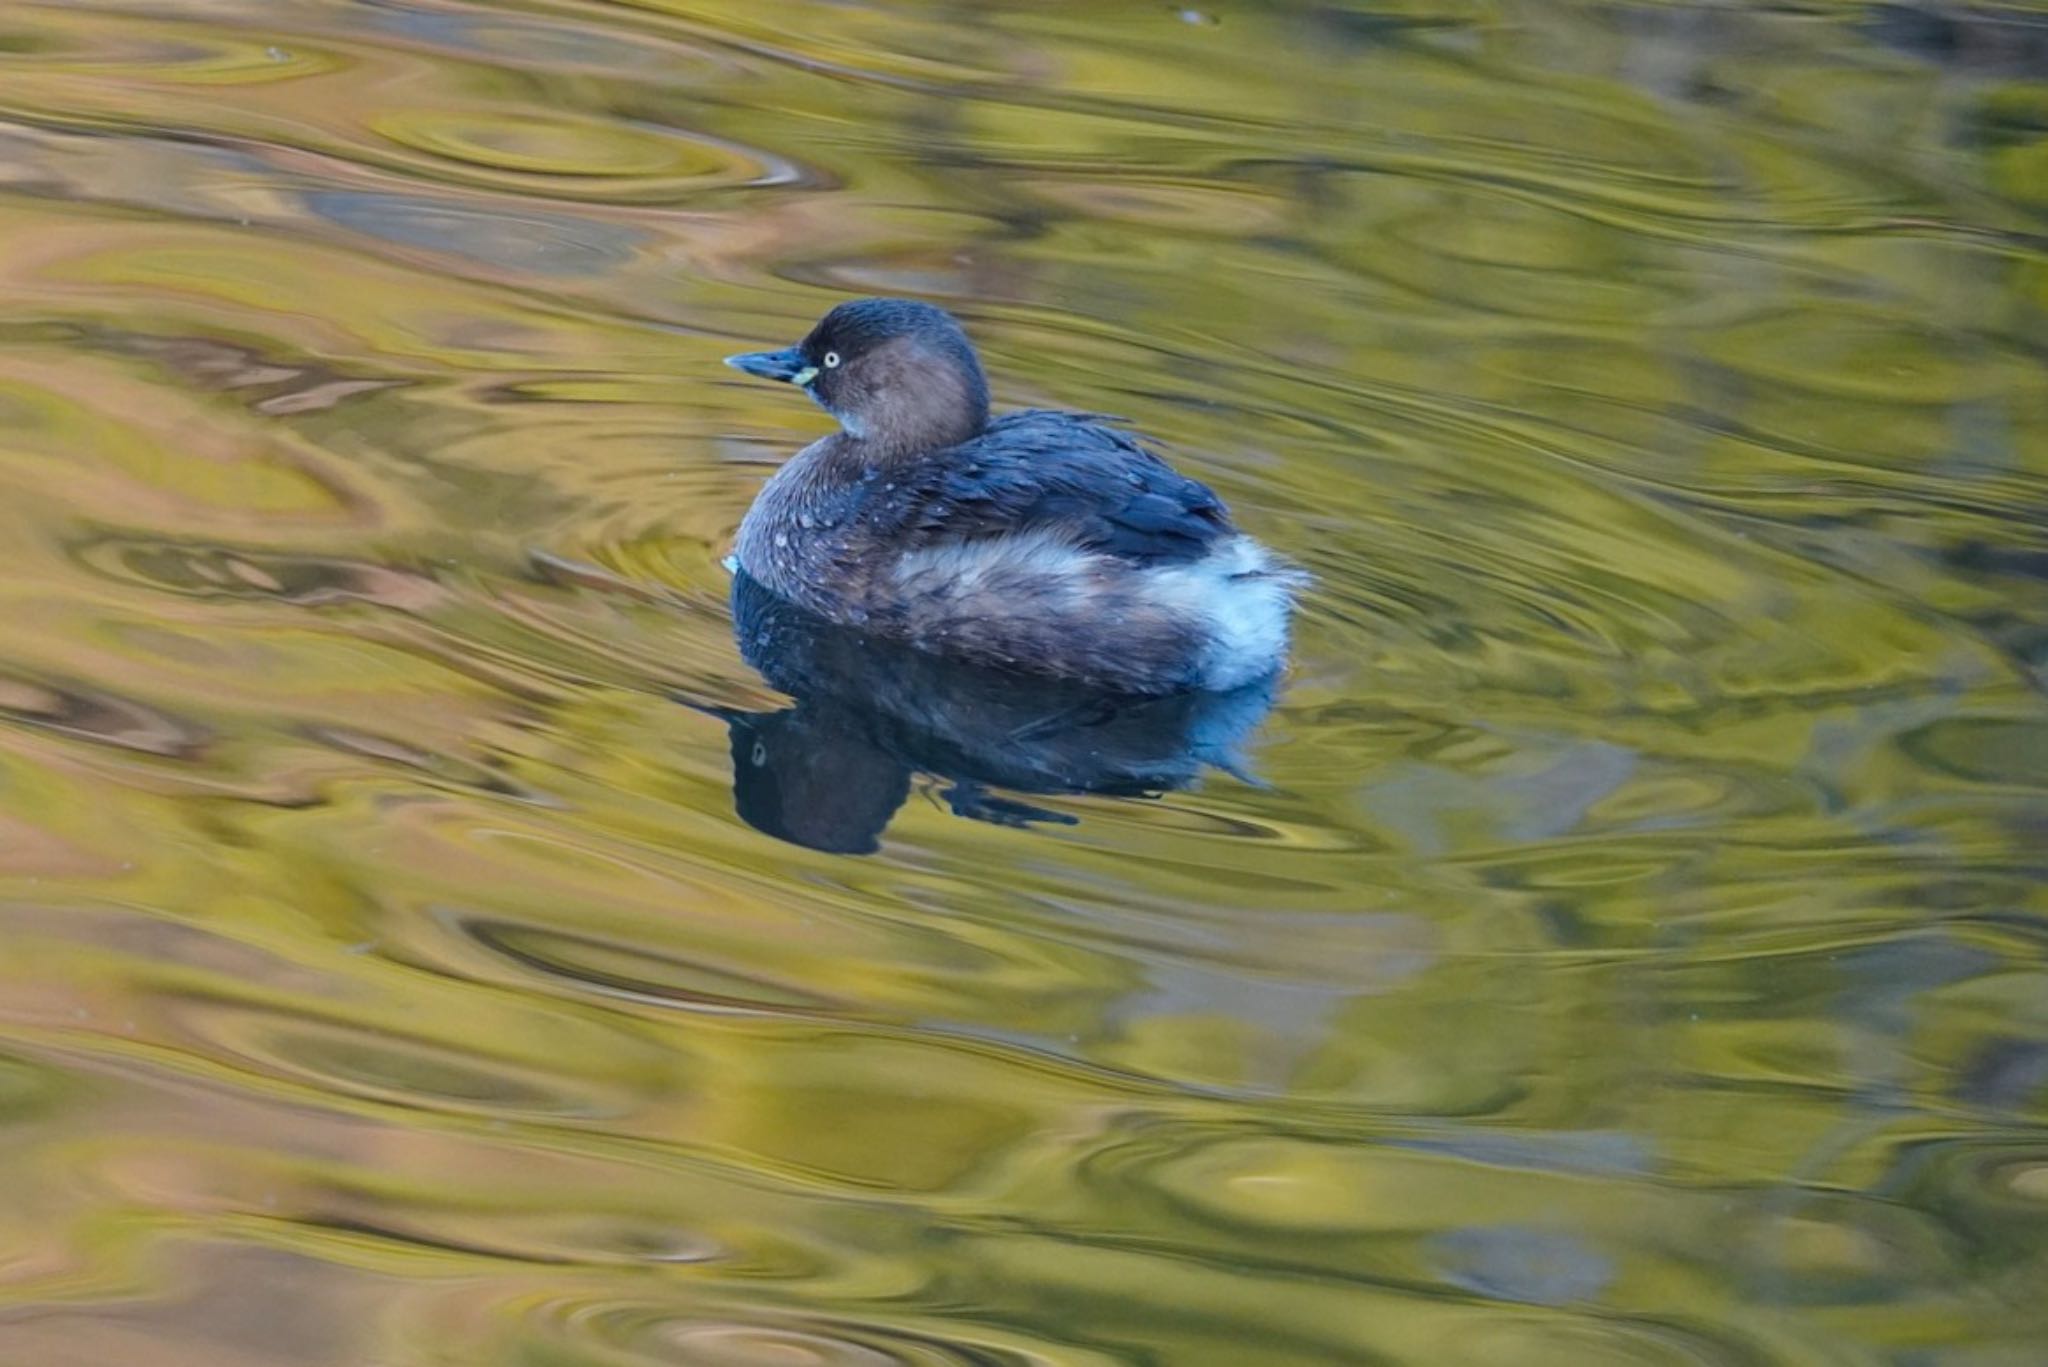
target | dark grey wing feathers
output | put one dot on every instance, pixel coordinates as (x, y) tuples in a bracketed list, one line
[(1065, 473)]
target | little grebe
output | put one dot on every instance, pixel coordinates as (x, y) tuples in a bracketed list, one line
[(1040, 541)]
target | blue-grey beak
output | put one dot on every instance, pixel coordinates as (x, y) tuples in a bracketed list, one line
[(787, 364)]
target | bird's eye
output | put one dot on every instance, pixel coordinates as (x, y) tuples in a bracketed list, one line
[(831, 360), (760, 755)]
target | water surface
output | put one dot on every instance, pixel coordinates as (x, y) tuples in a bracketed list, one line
[(1633, 951)]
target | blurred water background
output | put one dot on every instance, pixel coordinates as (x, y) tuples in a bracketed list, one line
[(1637, 954)]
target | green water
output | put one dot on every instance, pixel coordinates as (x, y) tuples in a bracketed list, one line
[(1637, 952)]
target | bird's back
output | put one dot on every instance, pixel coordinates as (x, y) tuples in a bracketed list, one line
[(1049, 542), (1068, 475)]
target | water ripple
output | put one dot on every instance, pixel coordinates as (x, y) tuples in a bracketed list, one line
[(1629, 952)]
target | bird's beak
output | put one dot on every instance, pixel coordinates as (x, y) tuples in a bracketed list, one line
[(787, 364)]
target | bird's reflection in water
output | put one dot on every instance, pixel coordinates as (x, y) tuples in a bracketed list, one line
[(830, 771)]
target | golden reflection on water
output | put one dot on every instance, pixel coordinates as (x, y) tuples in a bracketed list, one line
[(1636, 955)]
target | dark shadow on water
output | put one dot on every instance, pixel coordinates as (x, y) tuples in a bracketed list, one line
[(830, 770)]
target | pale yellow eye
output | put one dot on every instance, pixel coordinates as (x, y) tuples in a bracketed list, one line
[(831, 360)]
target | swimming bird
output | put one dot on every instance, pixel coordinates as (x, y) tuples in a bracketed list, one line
[(1042, 541)]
